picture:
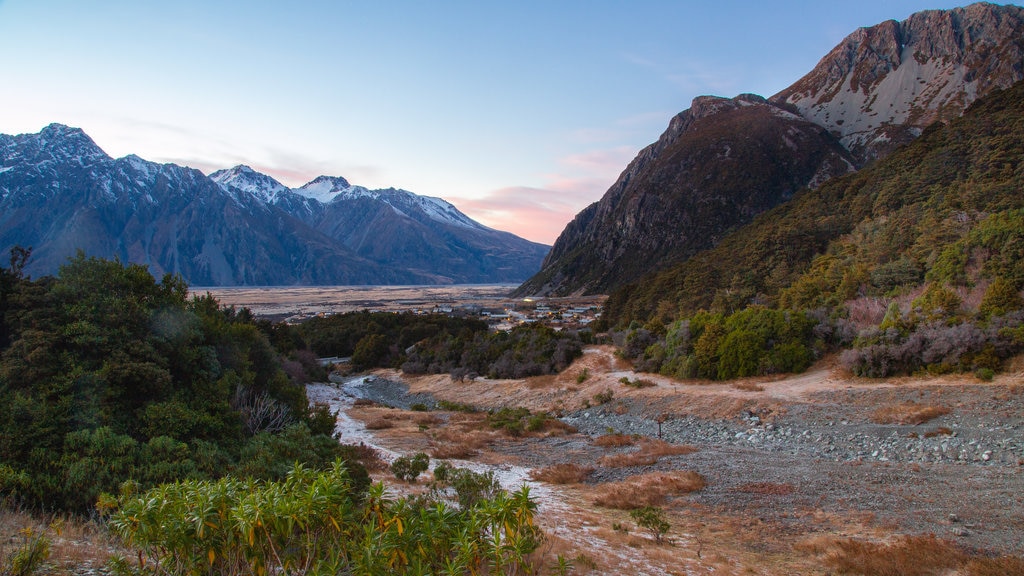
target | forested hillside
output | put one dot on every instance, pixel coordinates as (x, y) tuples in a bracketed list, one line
[(931, 236), (107, 375)]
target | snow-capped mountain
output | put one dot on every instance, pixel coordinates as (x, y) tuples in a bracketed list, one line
[(60, 193), (420, 233)]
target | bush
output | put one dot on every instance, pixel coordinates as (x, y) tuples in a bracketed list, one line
[(408, 468), (651, 518)]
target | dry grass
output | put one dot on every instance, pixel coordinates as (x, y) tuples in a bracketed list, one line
[(748, 386), (614, 440), (767, 488), (380, 423), (907, 413), (649, 452), (562, 474), (74, 543), (647, 489), (913, 556), (370, 457), (448, 451)]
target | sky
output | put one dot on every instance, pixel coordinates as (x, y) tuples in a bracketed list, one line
[(521, 113)]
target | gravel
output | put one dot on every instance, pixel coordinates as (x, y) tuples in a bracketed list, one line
[(959, 476)]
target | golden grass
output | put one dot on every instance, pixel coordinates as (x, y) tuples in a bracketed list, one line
[(562, 474), (448, 451), (614, 440), (74, 543), (649, 452), (748, 386), (907, 413), (767, 488), (647, 489), (914, 556), (380, 423)]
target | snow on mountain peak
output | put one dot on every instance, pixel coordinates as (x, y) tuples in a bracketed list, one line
[(249, 181), (324, 188)]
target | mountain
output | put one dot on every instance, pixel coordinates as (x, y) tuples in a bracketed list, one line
[(425, 235), (942, 215), (60, 193), (722, 162), (881, 86)]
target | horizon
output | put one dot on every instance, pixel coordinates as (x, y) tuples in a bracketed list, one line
[(519, 116)]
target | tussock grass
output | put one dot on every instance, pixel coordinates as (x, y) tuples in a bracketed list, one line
[(767, 489), (562, 474), (907, 413), (448, 451), (614, 440), (649, 452), (914, 556), (648, 489), (381, 423)]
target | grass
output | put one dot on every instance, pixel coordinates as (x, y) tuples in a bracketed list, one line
[(912, 556), (650, 489), (562, 474), (73, 543), (767, 489), (649, 452), (614, 440), (907, 413)]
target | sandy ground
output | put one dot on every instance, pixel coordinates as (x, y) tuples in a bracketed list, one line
[(791, 463)]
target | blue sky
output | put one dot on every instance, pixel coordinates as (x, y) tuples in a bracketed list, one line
[(520, 113)]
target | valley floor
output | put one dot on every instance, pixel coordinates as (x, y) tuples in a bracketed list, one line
[(794, 466)]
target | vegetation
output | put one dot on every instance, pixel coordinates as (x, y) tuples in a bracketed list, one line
[(108, 375), (437, 344), (653, 519), (408, 468), (931, 229), (319, 523)]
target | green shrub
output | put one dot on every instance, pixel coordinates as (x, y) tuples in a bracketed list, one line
[(408, 468), (653, 519)]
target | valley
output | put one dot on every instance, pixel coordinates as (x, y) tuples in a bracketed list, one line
[(794, 466)]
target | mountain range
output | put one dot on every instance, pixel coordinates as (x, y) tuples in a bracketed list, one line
[(60, 193), (724, 161)]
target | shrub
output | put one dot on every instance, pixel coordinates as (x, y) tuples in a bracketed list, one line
[(651, 518), (408, 468), (604, 397)]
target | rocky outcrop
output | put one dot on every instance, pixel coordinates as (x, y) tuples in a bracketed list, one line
[(881, 86)]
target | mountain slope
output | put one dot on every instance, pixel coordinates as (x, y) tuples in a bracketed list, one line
[(60, 193), (874, 92), (947, 209), (719, 164)]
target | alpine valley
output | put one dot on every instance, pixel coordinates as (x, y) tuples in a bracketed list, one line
[(60, 193)]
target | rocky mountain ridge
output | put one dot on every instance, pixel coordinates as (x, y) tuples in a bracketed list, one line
[(60, 193), (877, 90)]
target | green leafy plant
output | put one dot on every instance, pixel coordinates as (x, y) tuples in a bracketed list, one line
[(653, 519), (409, 467)]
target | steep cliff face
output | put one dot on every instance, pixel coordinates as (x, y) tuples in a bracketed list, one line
[(881, 86), (718, 165), (724, 161)]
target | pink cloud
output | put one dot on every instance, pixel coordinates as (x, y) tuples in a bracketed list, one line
[(541, 213)]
